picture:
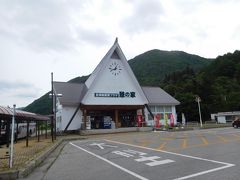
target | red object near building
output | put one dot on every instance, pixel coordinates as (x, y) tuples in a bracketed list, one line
[(171, 120), (157, 117), (139, 120)]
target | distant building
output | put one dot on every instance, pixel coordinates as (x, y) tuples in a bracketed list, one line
[(224, 117), (110, 98)]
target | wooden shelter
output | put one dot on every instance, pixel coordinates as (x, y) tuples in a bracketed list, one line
[(6, 115)]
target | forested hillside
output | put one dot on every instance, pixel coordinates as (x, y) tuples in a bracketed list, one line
[(151, 67), (218, 86)]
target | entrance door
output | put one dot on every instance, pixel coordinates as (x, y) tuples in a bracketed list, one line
[(128, 118), (100, 119)]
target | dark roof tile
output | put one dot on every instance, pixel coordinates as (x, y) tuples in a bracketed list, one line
[(72, 93), (157, 96)]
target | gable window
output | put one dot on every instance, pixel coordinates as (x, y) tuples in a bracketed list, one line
[(115, 55)]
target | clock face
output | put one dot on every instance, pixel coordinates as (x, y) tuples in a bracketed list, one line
[(115, 68)]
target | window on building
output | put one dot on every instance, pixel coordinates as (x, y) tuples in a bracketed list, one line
[(160, 110), (152, 108), (168, 109)]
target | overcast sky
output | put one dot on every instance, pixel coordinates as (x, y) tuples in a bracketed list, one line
[(70, 37)]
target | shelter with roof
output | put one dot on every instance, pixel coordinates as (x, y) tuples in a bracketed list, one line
[(110, 98), (27, 123)]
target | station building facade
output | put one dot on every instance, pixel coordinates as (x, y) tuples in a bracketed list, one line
[(110, 98)]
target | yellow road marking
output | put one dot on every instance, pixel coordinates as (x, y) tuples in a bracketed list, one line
[(184, 143), (204, 140), (236, 135), (188, 147), (144, 143), (166, 139), (223, 139), (162, 146)]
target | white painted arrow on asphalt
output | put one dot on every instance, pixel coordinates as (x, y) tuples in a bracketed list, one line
[(101, 145)]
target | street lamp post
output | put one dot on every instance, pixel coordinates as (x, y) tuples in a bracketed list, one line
[(198, 100)]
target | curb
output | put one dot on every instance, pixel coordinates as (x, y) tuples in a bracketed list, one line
[(114, 131), (34, 163), (31, 165), (11, 174)]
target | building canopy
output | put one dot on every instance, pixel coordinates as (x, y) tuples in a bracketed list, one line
[(6, 113)]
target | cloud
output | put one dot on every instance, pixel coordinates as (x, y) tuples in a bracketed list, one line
[(145, 16), (49, 25), (19, 89), (97, 37), (6, 85), (40, 25), (181, 39), (26, 95)]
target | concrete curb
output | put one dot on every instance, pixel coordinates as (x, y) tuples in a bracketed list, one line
[(114, 131), (30, 166), (11, 174), (34, 163)]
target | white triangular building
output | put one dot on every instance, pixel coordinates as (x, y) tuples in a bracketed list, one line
[(110, 98)]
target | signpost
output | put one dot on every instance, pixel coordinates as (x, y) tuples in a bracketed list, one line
[(183, 119), (12, 137)]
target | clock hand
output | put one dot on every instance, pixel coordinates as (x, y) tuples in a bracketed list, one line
[(114, 69)]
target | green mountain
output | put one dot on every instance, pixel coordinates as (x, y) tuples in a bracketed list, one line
[(40, 106), (150, 68), (218, 86)]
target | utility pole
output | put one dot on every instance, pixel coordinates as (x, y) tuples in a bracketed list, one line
[(54, 97), (52, 114), (198, 100)]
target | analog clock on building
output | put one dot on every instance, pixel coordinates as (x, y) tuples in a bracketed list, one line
[(115, 68)]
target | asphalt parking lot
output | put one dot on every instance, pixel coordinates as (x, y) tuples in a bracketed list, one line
[(199, 154)]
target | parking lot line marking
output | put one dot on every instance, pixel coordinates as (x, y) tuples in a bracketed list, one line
[(109, 162), (162, 146), (236, 135), (156, 163), (144, 143), (204, 140), (166, 139), (225, 165), (189, 146), (223, 139), (168, 152), (204, 172), (184, 143)]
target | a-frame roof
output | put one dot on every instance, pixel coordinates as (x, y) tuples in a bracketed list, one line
[(103, 62), (74, 94), (114, 52)]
